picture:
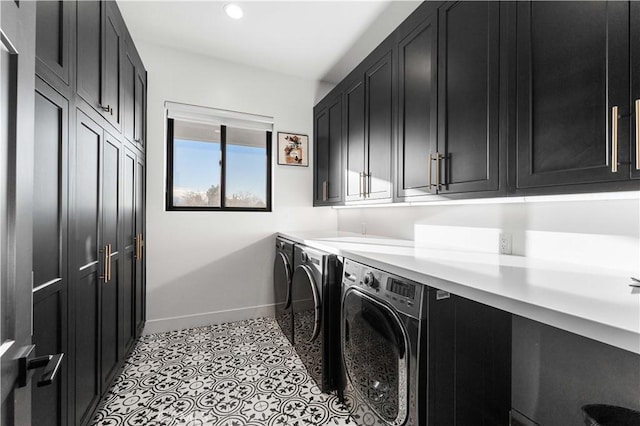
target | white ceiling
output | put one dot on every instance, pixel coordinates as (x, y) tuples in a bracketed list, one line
[(317, 40)]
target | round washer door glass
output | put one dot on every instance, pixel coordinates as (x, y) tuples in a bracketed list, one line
[(281, 280), (375, 355)]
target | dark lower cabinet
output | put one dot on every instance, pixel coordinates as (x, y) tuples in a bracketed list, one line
[(556, 372), (572, 93), (471, 372), (50, 274)]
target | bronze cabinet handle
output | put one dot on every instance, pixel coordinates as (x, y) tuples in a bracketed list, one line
[(105, 261), (324, 190)]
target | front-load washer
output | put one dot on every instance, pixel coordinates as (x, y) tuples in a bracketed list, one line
[(315, 302), (384, 347), (282, 274)]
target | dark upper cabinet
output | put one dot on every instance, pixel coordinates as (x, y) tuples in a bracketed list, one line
[(111, 54), (328, 152), (417, 107), (129, 77), (89, 34), (379, 133), (572, 91), (369, 129), (449, 92), (635, 89), (140, 115), (99, 51), (354, 101), (468, 97), (53, 41)]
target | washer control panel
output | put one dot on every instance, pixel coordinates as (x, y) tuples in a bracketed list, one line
[(403, 294)]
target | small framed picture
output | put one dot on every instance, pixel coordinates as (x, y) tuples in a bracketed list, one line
[(293, 149)]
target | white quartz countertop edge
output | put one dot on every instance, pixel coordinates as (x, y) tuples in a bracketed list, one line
[(592, 302)]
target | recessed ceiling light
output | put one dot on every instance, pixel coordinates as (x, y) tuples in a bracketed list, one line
[(233, 10)]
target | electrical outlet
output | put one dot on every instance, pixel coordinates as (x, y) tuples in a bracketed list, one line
[(505, 243)]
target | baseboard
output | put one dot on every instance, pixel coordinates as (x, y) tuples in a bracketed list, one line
[(208, 318)]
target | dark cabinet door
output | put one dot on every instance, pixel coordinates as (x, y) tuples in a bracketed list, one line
[(379, 135), (354, 140), (53, 40), (110, 286), (417, 93), (140, 307), (472, 363), (572, 93), (328, 125), (468, 96), (140, 117), (88, 266), (129, 247), (50, 281), (635, 89), (111, 66), (128, 81), (89, 59)]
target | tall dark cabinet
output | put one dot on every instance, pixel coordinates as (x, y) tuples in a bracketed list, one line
[(572, 92), (635, 89), (89, 292)]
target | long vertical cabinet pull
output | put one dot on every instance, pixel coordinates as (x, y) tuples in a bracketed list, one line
[(360, 190), (637, 134), (109, 251), (324, 190), (437, 159), (138, 253), (367, 185), (106, 267), (614, 139)]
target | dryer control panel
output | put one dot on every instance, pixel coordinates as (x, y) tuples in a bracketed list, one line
[(403, 294)]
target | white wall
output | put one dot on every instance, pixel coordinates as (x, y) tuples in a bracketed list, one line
[(588, 232), (208, 267)]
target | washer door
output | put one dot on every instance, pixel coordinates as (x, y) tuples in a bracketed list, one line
[(282, 292), (374, 348), (305, 303)]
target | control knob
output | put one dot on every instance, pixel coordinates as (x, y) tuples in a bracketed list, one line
[(370, 281)]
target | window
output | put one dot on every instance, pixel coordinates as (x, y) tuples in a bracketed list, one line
[(215, 166)]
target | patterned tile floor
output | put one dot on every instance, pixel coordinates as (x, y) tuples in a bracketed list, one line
[(237, 374)]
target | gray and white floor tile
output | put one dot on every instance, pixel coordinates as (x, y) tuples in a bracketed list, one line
[(237, 374)]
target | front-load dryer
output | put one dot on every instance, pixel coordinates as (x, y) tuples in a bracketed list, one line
[(282, 274), (315, 302)]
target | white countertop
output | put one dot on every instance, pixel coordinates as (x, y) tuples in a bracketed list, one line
[(593, 302)]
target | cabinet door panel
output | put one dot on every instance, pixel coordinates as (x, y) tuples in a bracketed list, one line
[(322, 154), (128, 94), (49, 249), (86, 301), (128, 244), (355, 139), (110, 289), (572, 67), (140, 107), (417, 108), (334, 187), (52, 39), (111, 82), (469, 94), (89, 48), (140, 285), (379, 128)]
